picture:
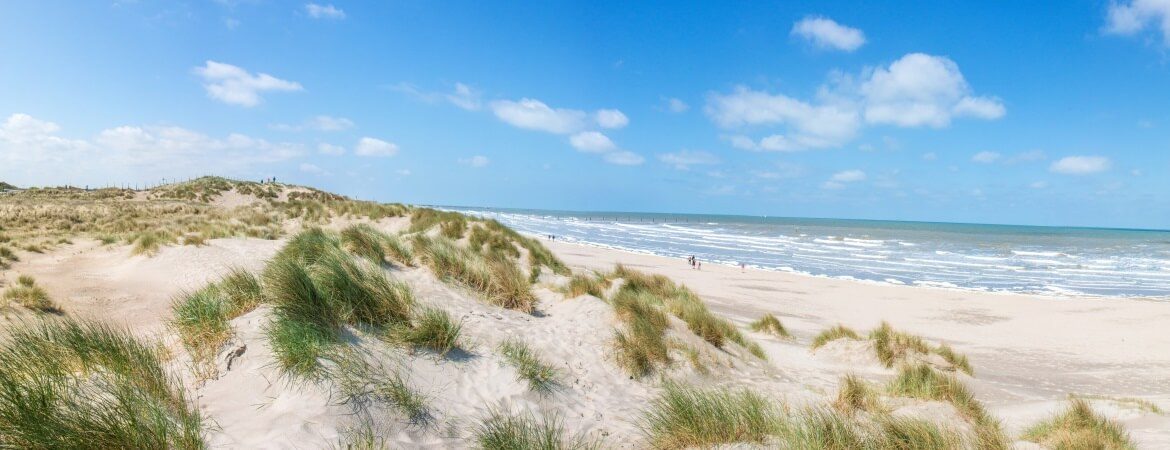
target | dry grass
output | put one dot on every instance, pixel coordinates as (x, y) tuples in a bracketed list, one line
[(498, 279), (832, 334), (581, 284), (27, 294), (771, 325), (1079, 427), (854, 394)]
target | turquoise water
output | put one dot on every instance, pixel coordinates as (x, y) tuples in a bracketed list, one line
[(1007, 258)]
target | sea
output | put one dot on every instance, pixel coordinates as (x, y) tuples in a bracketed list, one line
[(1056, 261)]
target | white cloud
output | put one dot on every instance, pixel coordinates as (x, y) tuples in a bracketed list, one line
[(811, 126), (986, 157), (475, 161), (1081, 165), (675, 105), (464, 97), (33, 152), (826, 33), (683, 159), (235, 86), (313, 169), (533, 114), (624, 158), (840, 179), (330, 149), (1134, 16), (923, 90), (611, 118), (317, 11), (591, 142), (368, 146), (319, 123)]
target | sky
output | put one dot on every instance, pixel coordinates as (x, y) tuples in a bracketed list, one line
[(985, 112)]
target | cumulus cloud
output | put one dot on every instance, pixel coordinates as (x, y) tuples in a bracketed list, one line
[(828, 34), (812, 126), (329, 11), (611, 118), (684, 159), (368, 146), (591, 142), (923, 90), (624, 158), (330, 149), (675, 105), (1081, 165), (986, 157), (1132, 17), (235, 86), (533, 114), (475, 161), (464, 97), (34, 152), (318, 123), (840, 179)]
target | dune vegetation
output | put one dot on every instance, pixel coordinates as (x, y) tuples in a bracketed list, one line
[(771, 325), (27, 294), (1079, 427), (540, 376)]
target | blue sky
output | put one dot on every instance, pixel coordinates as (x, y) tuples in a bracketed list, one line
[(991, 112)]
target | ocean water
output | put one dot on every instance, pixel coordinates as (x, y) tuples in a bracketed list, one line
[(1022, 259)]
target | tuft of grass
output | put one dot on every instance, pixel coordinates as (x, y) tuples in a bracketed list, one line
[(148, 243), (581, 284), (73, 384), (854, 394), (27, 294), (433, 329), (922, 382), (831, 429), (399, 251), (194, 239), (832, 334), (498, 279), (242, 292), (894, 346), (1079, 427), (363, 240), (770, 324), (685, 417), (540, 376), (361, 383), (201, 319), (958, 361), (503, 431), (642, 347), (304, 325)]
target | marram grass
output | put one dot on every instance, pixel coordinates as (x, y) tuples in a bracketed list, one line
[(832, 334), (1079, 427), (540, 376), (771, 325), (689, 417), (26, 293), (432, 329), (504, 431)]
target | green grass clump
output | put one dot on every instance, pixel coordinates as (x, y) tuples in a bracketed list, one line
[(499, 280), (363, 240), (641, 348), (357, 292), (581, 284), (832, 334), (540, 376), (71, 384), (433, 329), (362, 383), (1079, 427), (399, 251), (27, 294), (242, 292), (771, 325), (922, 382), (687, 417), (148, 243), (957, 360), (503, 431), (833, 429), (894, 346), (854, 394), (201, 319), (305, 247), (453, 229)]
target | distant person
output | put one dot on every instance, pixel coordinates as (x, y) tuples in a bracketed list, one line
[(742, 267), (700, 265)]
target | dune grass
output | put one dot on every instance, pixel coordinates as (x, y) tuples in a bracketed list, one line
[(399, 251), (503, 431), (771, 325), (362, 383), (201, 317), (498, 279), (1079, 427), (641, 348), (957, 360), (432, 329), (685, 417), (854, 394), (541, 377), (832, 334), (72, 384), (581, 284), (196, 240), (363, 240), (26, 293), (922, 382), (893, 346), (148, 243)]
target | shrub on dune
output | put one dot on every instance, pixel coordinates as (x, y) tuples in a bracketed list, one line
[(771, 325), (70, 384), (304, 324), (1079, 427), (453, 229), (540, 376), (504, 431), (832, 334), (688, 417)]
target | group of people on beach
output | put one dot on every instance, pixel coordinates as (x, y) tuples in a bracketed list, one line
[(551, 237), (694, 262)]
